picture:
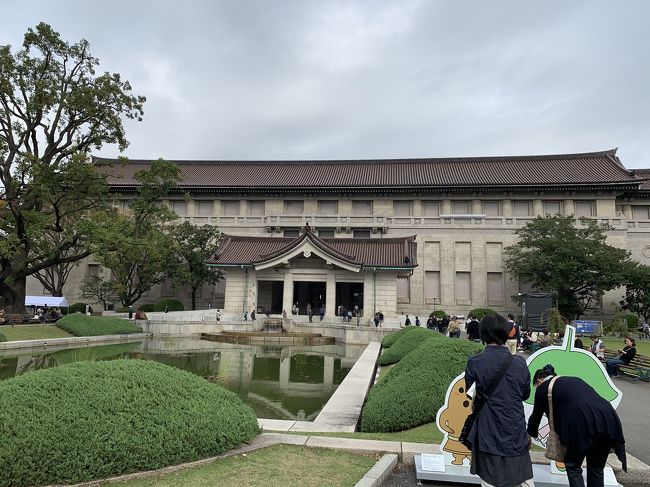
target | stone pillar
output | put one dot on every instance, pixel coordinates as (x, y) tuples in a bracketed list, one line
[(568, 207), (447, 274), (627, 212), (507, 207), (445, 207), (287, 292), (330, 294), (476, 207), (328, 374), (285, 369), (417, 208), (538, 208), (369, 292)]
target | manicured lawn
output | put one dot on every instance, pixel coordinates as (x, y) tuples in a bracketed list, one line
[(613, 344), (275, 466), (32, 332)]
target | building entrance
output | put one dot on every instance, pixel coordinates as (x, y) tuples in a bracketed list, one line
[(312, 293), (269, 296), (349, 295)]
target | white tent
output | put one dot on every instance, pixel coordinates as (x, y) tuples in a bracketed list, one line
[(49, 301)]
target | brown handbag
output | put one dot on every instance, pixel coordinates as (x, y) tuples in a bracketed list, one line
[(555, 450)]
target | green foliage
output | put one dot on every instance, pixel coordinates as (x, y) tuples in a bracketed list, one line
[(414, 389), (389, 340), (100, 419), (138, 245), (81, 325), (98, 289), (57, 107), (573, 261), (407, 343), (479, 313), (2, 337), (194, 246), (637, 291), (616, 327), (171, 304), (147, 308), (555, 321), (438, 314), (632, 321), (77, 308)]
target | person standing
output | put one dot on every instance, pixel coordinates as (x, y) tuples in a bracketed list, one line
[(407, 321), (417, 321), (310, 313), (473, 329), (585, 422), (253, 315), (500, 446), (454, 328), (625, 357), (130, 311), (645, 329), (513, 334)]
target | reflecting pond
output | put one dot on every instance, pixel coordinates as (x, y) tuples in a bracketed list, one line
[(278, 382)]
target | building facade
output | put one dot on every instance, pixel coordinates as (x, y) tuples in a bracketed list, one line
[(456, 214)]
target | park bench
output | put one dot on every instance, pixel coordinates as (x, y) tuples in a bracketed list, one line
[(639, 368)]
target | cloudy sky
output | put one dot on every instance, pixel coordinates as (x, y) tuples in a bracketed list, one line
[(368, 79)]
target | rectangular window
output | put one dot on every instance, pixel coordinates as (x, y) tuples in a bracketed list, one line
[(431, 208), (432, 285), (328, 207), (460, 207), (362, 207), (495, 288), (179, 207), (256, 208), (326, 232), (492, 208), (463, 286), (294, 207), (521, 208), (585, 208), (402, 208), (641, 212), (291, 232), (361, 233), (230, 207), (203, 208), (552, 207), (403, 290)]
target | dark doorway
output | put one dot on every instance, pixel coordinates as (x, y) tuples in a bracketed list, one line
[(349, 295), (305, 293), (269, 296)]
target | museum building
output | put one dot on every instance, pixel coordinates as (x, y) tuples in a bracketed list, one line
[(400, 236)]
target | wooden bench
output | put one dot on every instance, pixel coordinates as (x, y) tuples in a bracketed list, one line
[(638, 369)]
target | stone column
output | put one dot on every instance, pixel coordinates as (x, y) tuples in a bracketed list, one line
[(287, 294), (447, 274), (330, 294), (328, 374), (476, 207), (507, 208), (445, 207), (538, 208), (568, 207), (285, 369), (417, 208)]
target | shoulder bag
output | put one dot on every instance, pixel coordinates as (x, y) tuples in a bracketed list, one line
[(480, 401), (554, 448)]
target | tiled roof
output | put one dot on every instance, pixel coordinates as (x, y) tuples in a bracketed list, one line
[(583, 169), (645, 174), (397, 252)]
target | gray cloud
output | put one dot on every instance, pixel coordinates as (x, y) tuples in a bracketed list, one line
[(344, 79)]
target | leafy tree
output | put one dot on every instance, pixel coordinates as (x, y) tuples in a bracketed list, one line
[(137, 246), (574, 261), (54, 109), (637, 291), (194, 245), (100, 290)]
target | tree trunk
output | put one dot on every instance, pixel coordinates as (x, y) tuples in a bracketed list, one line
[(193, 298), (13, 296)]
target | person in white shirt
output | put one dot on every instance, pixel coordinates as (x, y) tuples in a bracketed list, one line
[(597, 347)]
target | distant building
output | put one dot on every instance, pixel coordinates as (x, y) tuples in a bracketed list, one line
[(397, 235)]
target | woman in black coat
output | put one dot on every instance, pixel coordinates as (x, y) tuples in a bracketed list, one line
[(587, 425), (500, 455)]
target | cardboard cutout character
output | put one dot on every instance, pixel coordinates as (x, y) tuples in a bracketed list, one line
[(451, 418)]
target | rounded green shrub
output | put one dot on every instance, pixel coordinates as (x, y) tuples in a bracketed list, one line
[(479, 313), (2, 337), (91, 420), (632, 321), (438, 314), (77, 308), (147, 308), (406, 343), (171, 305), (81, 325), (389, 340), (414, 389)]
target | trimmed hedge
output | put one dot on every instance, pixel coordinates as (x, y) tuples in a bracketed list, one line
[(414, 389), (2, 337), (81, 325), (479, 313), (406, 343), (147, 308), (438, 314), (99, 419), (77, 308), (389, 340), (171, 304)]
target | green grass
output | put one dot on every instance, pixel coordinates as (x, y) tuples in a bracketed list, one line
[(82, 325), (32, 332), (275, 466), (383, 370), (613, 344)]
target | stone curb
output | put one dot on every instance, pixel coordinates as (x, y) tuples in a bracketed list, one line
[(57, 342), (378, 473)]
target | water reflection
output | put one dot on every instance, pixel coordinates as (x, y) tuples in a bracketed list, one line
[(279, 382)]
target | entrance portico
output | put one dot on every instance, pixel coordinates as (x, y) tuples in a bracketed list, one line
[(323, 273)]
